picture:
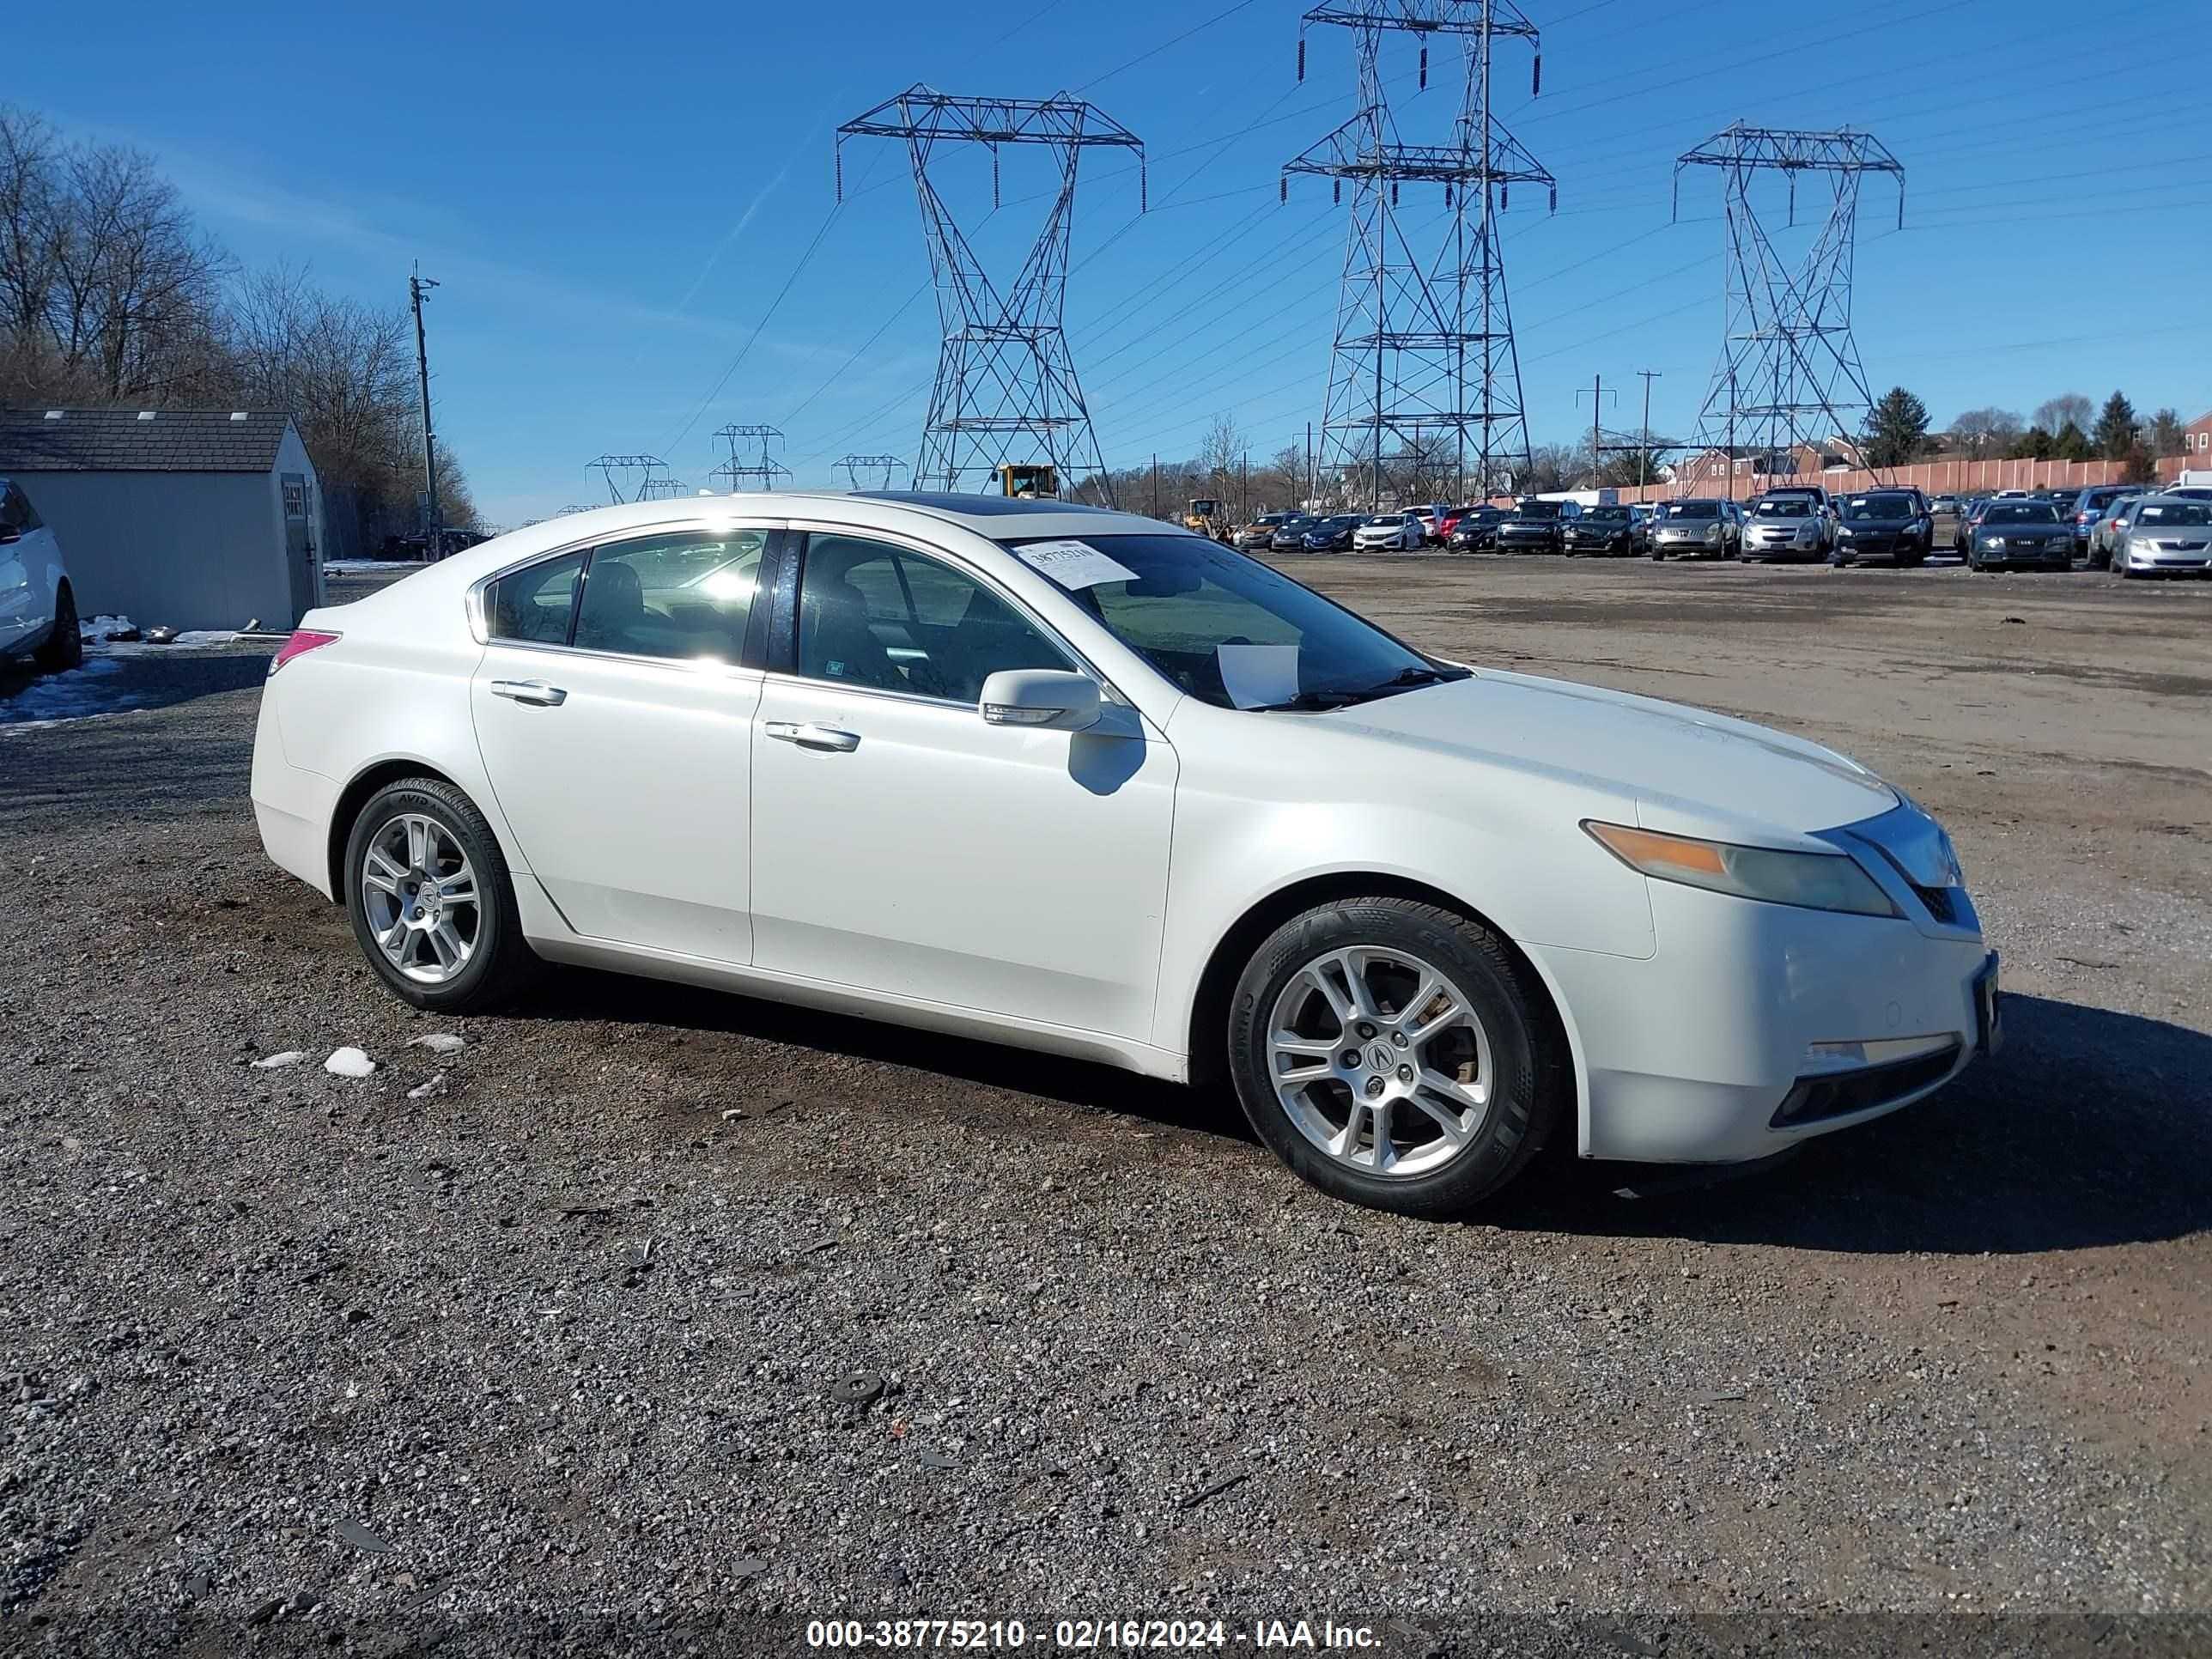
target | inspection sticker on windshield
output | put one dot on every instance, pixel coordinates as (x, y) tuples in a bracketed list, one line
[(1072, 564)]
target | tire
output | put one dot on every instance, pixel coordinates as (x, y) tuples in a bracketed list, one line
[(64, 647), (498, 965), (1499, 1029), (1658, 554)]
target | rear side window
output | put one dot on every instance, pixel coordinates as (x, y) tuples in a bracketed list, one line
[(686, 598), (536, 604)]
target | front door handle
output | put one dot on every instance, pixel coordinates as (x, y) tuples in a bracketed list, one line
[(536, 693), (814, 736)]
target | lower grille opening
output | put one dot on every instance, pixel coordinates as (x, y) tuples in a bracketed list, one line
[(1839, 1095), (1941, 903)]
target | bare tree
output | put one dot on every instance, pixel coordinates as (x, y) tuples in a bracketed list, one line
[(1221, 454), (2053, 414), (1981, 433)]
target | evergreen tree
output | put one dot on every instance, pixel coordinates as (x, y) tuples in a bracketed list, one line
[(2032, 445), (1895, 428), (2167, 434), (2117, 428), (2072, 444)]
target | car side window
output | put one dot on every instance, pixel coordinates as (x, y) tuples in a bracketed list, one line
[(874, 615), (536, 604), (14, 509), (683, 597)]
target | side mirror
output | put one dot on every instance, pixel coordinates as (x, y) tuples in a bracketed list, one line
[(1049, 697)]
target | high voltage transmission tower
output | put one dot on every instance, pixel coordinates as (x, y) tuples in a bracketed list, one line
[(644, 465), (1424, 374), (1789, 371), (662, 490), (764, 473), (887, 464), (1005, 389)]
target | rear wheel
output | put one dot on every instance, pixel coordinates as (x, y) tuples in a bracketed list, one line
[(64, 647), (431, 903), (1395, 1054)]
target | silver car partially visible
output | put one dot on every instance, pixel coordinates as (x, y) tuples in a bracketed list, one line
[(2166, 535)]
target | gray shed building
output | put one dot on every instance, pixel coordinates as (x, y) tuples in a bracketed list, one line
[(192, 518)]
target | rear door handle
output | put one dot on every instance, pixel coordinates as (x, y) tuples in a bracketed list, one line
[(536, 693), (813, 736)]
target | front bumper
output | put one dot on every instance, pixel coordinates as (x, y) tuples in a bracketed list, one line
[(1695, 1053), (2051, 556), (2165, 562), (1756, 546)]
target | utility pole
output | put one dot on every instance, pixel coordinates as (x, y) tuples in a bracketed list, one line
[(1307, 505), (1597, 435), (1644, 453), (416, 284), (1156, 485), (1248, 486)]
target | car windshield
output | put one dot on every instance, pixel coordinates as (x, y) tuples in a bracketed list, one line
[(1343, 521), (1692, 509), (1396, 521), (1539, 509), (1607, 515), (2021, 512), (1231, 630), (1785, 506), (1879, 507), (2174, 512)]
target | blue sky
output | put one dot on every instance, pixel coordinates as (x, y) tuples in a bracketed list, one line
[(613, 201)]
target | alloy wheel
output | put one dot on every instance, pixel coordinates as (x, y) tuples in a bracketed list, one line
[(1380, 1062), (418, 893)]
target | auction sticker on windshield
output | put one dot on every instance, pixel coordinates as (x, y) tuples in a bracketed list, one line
[(1256, 675), (1072, 564)]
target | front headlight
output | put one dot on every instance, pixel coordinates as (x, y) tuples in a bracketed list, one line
[(1712, 532), (1993, 541), (1811, 881)]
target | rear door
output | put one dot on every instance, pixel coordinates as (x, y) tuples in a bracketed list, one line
[(614, 708)]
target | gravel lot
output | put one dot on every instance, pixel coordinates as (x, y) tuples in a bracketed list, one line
[(536, 1346)]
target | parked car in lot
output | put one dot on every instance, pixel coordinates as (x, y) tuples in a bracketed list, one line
[(1884, 524), (1475, 531), (1290, 536), (1331, 534), (38, 602), (1074, 780), (1788, 525), (1382, 531), (1699, 528), (2106, 534), (1962, 532), (1945, 506), (1534, 527), (1261, 532), (1605, 531), (1643, 515), (2090, 505), (2022, 535), (2166, 536)]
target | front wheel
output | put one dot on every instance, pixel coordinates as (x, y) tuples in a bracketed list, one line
[(64, 647), (431, 903), (1395, 1054)]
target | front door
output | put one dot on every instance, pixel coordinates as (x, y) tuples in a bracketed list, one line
[(614, 714), (901, 845)]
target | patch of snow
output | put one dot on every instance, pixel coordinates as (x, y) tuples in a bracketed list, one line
[(76, 695), (428, 1091), (349, 1062), (271, 1062), (105, 627), (440, 1042), (358, 566)]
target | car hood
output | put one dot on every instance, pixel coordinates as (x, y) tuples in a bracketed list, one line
[(1691, 772), (1857, 525)]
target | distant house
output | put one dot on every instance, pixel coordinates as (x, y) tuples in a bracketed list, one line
[(2197, 442), (1747, 469), (190, 518)]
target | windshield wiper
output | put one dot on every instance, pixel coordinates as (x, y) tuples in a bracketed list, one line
[(1406, 680)]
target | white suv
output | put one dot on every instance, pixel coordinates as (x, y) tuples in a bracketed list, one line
[(38, 611)]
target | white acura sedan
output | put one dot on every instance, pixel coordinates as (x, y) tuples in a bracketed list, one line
[(1074, 780)]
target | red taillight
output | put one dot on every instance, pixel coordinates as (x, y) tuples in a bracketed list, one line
[(303, 641)]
